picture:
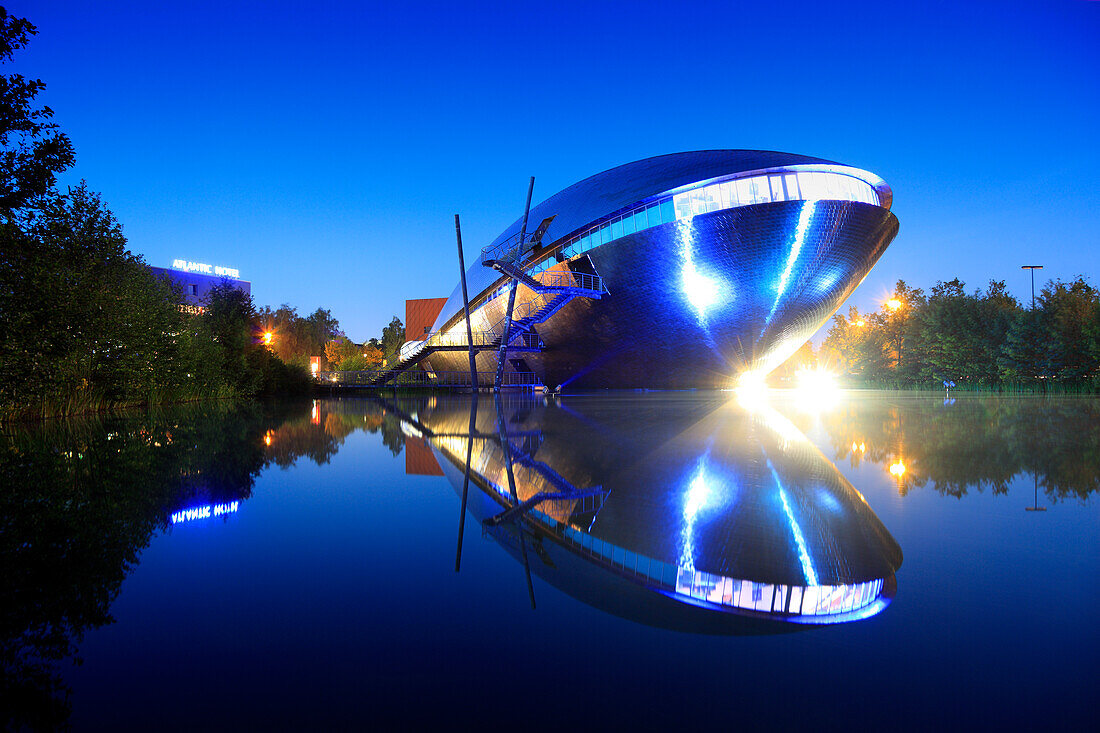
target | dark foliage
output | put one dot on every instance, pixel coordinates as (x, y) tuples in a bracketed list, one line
[(984, 339)]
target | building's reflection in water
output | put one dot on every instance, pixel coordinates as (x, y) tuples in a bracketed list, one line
[(699, 514)]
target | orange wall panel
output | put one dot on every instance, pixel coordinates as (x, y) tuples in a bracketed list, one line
[(420, 314)]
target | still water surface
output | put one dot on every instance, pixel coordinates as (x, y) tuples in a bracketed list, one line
[(886, 560)]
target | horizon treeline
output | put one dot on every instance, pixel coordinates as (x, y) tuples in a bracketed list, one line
[(980, 339)]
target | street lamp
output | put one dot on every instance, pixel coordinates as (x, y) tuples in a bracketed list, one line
[(893, 304), (1033, 268), (267, 338)]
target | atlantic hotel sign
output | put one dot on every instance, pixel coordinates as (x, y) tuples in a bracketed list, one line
[(205, 269)]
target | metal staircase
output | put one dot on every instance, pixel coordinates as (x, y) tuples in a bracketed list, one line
[(514, 331), (555, 290)]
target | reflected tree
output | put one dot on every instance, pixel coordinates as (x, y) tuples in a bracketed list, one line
[(81, 500), (982, 447)]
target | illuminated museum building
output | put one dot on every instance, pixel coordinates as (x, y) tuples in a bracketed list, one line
[(196, 279), (710, 263)]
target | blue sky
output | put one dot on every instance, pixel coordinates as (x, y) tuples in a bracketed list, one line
[(323, 148)]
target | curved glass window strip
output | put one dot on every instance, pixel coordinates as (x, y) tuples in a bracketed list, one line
[(759, 189)]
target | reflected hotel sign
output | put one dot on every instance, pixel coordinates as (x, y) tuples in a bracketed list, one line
[(205, 269), (204, 512)]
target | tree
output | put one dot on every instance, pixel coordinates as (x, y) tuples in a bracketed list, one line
[(841, 349), (32, 150), (296, 339), (393, 337), (81, 319), (1068, 313), (894, 321), (949, 326), (339, 349), (372, 354), (228, 320)]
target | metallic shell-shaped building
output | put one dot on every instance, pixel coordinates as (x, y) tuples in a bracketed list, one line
[(710, 264)]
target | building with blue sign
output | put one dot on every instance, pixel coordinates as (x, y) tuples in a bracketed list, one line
[(697, 267), (196, 279)]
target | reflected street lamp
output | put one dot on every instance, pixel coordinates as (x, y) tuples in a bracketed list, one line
[(1033, 268), (1035, 507)]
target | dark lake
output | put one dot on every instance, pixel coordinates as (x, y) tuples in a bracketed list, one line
[(881, 560)]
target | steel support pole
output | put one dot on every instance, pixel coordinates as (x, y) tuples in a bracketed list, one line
[(502, 355), (466, 308), (466, 481), (506, 445)]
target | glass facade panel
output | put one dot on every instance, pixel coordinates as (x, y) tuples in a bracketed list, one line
[(744, 191), (628, 224), (682, 202), (729, 194), (616, 229), (668, 213), (809, 600), (699, 201), (712, 199), (791, 181), (795, 606), (777, 188), (760, 191), (806, 186)]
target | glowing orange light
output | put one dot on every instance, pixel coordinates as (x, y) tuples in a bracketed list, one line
[(893, 304), (862, 447), (267, 338), (267, 438), (854, 447), (897, 469), (861, 323)]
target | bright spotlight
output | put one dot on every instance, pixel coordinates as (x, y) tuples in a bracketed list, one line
[(816, 380), (897, 469), (701, 291), (893, 304), (267, 338), (816, 388), (752, 389)]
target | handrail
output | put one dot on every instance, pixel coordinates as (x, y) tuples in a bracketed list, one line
[(424, 378), (570, 279), (510, 247), (565, 280), (441, 339)]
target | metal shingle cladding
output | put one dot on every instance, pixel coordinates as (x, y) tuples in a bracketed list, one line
[(605, 193)]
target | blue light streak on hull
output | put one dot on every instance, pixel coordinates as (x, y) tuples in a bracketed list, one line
[(800, 541), (646, 334)]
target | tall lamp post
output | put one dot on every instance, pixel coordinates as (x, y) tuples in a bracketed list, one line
[(1033, 268)]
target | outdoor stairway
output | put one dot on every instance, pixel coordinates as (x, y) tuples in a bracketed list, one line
[(560, 286)]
